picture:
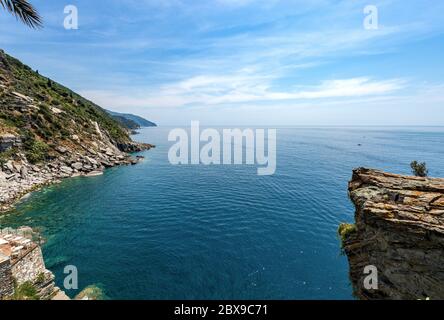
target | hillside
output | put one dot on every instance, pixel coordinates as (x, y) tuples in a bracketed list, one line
[(126, 123), (131, 118), (49, 132)]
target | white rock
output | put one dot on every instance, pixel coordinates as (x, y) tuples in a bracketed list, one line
[(66, 169), (77, 166), (9, 166)]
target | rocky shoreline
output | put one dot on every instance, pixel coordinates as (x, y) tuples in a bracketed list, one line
[(48, 133), (398, 233), (18, 177), (23, 273)]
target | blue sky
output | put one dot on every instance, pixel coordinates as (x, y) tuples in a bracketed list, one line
[(245, 62)]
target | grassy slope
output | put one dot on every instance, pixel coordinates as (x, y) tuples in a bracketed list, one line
[(42, 124)]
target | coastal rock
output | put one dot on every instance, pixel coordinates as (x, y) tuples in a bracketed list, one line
[(91, 293), (399, 230), (24, 172), (92, 161), (77, 166), (9, 166), (106, 164), (109, 152), (94, 173), (66, 169), (135, 147)]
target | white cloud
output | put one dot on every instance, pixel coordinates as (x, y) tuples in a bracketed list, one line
[(240, 88)]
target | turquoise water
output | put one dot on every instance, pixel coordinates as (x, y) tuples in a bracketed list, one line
[(157, 231)]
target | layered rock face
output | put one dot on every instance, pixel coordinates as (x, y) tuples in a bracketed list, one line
[(400, 231), (6, 279), (22, 265), (8, 141)]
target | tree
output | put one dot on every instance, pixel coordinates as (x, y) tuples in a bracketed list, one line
[(419, 169), (24, 11)]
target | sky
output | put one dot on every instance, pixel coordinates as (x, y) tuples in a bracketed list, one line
[(245, 62)]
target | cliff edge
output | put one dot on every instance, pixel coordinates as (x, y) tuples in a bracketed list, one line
[(399, 230)]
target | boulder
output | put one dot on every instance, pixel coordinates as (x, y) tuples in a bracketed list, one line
[(24, 172), (66, 169), (109, 152), (9, 166), (94, 173), (77, 166), (92, 161), (61, 150)]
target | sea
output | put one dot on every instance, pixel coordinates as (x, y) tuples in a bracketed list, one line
[(162, 231)]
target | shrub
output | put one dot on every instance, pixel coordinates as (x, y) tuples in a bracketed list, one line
[(26, 291), (345, 230), (419, 169), (41, 278), (37, 151)]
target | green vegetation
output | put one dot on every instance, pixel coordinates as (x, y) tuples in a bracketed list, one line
[(26, 291), (127, 123), (36, 151), (55, 113), (7, 155), (139, 121), (346, 230), (419, 169), (40, 278), (24, 11), (45, 90)]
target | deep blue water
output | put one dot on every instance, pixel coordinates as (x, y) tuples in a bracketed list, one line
[(157, 231)]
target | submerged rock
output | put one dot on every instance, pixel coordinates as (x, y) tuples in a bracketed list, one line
[(91, 293), (399, 230)]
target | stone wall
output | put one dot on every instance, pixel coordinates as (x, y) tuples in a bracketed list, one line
[(29, 267), (6, 280)]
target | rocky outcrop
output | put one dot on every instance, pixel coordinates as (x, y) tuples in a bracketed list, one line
[(6, 279), (8, 141), (23, 274), (399, 230), (18, 177)]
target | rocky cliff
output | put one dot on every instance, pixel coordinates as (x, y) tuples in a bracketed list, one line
[(48, 132), (23, 274), (399, 230)]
